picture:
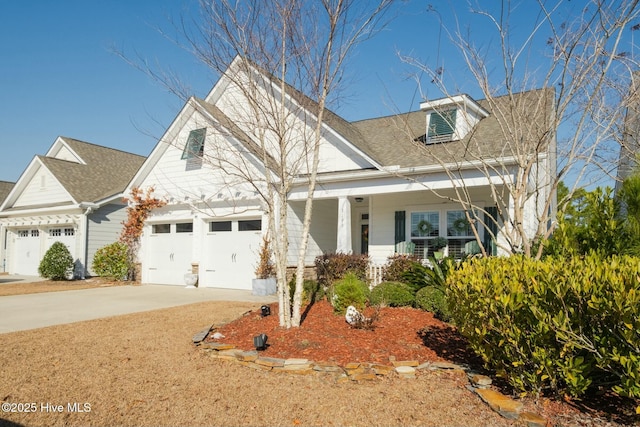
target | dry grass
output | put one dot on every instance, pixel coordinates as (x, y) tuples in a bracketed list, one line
[(142, 369), (20, 288)]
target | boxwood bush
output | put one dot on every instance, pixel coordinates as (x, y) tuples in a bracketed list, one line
[(392, 294), (565, 324), (433, 299), (112, 261), (57, 263)]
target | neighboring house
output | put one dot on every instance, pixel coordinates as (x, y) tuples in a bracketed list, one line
[(372, 195), (73, 194)]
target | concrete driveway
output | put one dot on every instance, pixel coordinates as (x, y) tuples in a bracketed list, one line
[(22, 312)]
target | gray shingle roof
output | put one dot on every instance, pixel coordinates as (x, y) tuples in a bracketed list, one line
[(107, 171), (394, 140), (5, 189)]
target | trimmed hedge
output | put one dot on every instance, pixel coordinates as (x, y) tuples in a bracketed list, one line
[(433, 299), (565, 324), (392, 294)]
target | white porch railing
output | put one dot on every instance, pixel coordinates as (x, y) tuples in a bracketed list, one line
[(375, 274)]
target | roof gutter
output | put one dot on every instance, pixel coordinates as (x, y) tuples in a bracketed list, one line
[(398, 171)]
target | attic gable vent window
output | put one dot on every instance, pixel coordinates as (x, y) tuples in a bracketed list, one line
[(442, 126), (195, 144)]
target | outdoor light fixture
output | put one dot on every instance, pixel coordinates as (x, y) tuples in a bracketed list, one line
[(265, 310), (359, 199), (260, 342)]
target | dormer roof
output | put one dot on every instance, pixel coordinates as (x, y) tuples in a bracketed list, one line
[(394, 140)]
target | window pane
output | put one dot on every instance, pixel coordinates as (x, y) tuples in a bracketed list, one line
[(195, 144), (220, 226), (425, 224), (160, 228), (55, 232), (250, 225), (184, 227), (442, 123), (457, 224), (69, 232)]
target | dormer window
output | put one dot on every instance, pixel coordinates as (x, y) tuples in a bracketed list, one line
[(194, 147), (442, 126), (450, 119)]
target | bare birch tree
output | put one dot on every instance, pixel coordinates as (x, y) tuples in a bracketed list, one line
[(579, 62), (285, 60)]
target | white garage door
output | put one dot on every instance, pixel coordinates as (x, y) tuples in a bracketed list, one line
[(232, 250), (26, 252), (66, 235), (169, 251)]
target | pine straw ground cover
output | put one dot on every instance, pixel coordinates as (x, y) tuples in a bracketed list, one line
[(142, 369)]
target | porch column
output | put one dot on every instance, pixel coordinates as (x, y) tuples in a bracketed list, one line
[(344, 226)]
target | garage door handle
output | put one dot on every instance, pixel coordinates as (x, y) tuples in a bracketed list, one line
[(171, 257)]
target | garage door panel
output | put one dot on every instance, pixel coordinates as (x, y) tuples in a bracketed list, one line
[(26, 252), (168, 256), (230, 256)]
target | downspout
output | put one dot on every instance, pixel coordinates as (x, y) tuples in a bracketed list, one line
[(84, 228)]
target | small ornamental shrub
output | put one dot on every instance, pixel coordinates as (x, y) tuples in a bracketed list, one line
[(433, 299), (265, 268), (392, 294), (57, 263), (349, 291), (566, 324), (396, 266), (112, 261), (333, 267)]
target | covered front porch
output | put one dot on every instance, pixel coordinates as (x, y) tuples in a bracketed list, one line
[(385, 224)]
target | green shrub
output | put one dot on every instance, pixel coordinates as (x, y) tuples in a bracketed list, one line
[(112, 261), (418, 276), (392, 294), (57, 263), (433, 299), (396, 266), (311, 290), (332, 267), (349, 291), (562, 323)]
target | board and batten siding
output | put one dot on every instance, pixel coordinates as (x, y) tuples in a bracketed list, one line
[(43, 189), (105, 226)]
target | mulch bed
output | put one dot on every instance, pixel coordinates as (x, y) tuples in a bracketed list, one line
[(401, 333), (404, 334)]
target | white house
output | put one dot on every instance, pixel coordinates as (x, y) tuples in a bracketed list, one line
[(375, 187), (73, 194)]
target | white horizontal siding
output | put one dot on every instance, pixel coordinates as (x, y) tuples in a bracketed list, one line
[(43, 188), (323, 231)]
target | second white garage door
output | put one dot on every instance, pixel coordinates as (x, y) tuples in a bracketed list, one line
[(232, 250)]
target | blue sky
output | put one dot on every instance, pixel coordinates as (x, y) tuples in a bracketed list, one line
[(59, 75)]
